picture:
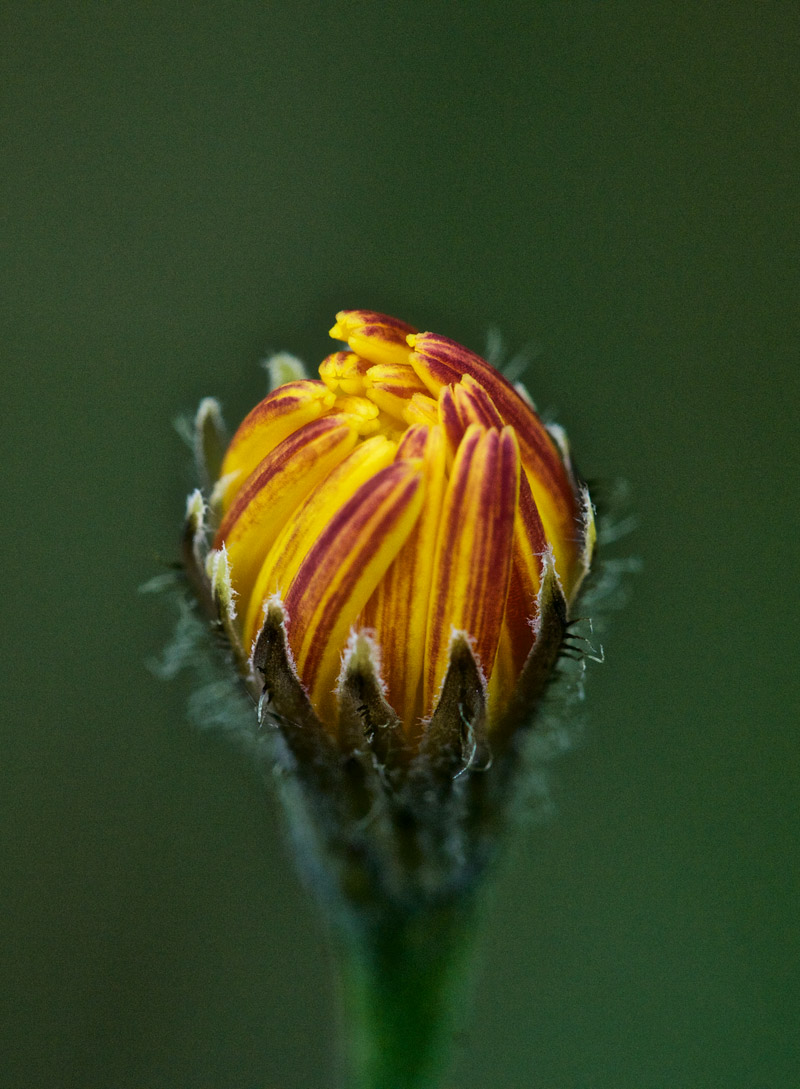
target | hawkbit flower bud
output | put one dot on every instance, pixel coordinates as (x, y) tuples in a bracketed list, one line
[(395, 549)]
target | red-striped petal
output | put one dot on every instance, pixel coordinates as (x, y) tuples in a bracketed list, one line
[(343, 373), (391, 386), (473, 553), (300, 533), (341, 571), (413, 442), (398, 610), (474, 405), (275, 489), (377, 337), (280, 413), (452, 424), (440, 361)]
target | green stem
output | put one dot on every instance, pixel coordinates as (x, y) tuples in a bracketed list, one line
[(403, 989)]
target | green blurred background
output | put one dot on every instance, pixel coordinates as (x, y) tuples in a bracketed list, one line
[(189, 186)]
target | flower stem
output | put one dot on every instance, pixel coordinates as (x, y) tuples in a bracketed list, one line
[(403, 989)]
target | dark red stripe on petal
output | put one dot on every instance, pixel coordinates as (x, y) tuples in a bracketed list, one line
[(279, 402), (454, 504), (475, 405), (450, 418), (441, 361), (273, 463), (500, 492), (474, 551), (412, 444), (382, 528), (530, 520), (362, 319), (345, 545), (447, 352)]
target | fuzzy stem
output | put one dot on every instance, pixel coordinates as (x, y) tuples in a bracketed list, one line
[(403, 984)]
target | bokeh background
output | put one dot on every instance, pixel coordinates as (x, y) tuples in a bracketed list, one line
[(187, 186)]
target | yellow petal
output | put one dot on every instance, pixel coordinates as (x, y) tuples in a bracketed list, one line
[(278, 415), (301, 533), (398, 610), (391, 386), (342, 569), (275, 489), (440, 361), (377, 337), (421, 410), (474, 404), (343, 373), (473, 552), (363, 413), (451, 423), (504, 676), (413, 442)]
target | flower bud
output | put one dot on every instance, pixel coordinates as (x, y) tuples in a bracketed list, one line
[(403, 515)]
